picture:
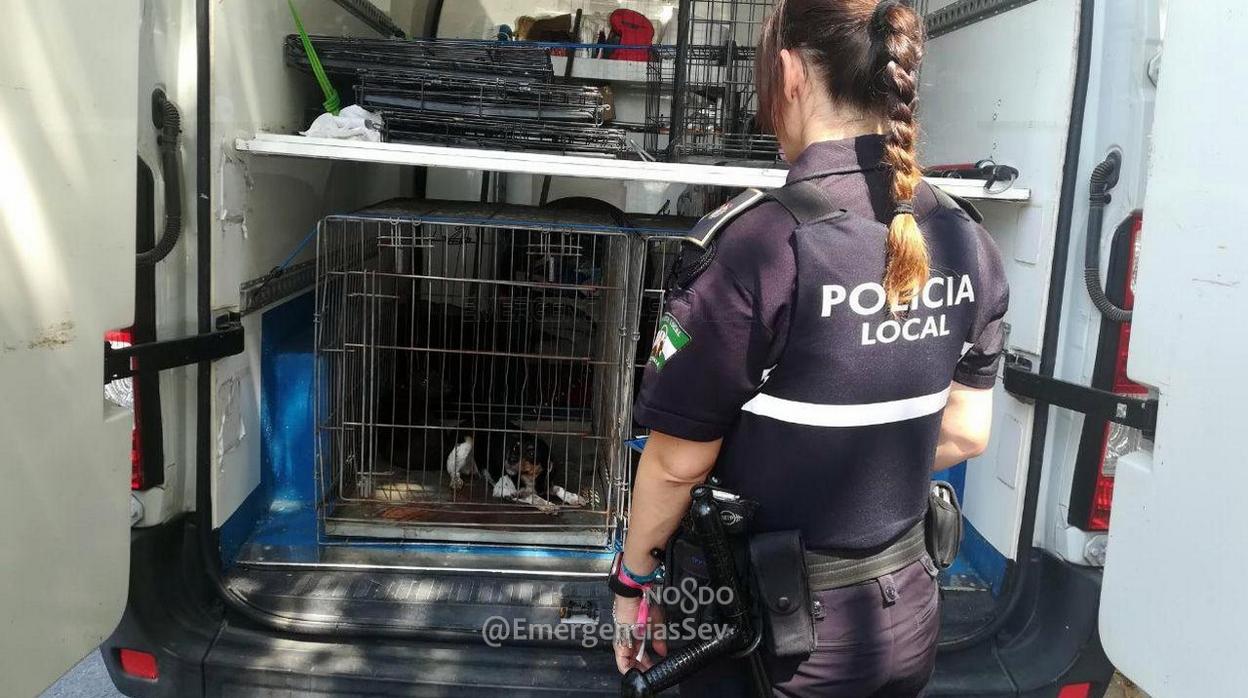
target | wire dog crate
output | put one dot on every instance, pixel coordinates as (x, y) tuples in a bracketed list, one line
[(511, 134), (513, 327), (710, 76), (348, 57), (483, 94), (422, 107), (481, 97)]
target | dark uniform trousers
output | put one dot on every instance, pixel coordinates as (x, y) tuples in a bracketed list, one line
[(876, 639)]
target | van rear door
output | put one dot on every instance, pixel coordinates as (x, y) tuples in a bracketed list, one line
[(1175, 599), (68, 129)]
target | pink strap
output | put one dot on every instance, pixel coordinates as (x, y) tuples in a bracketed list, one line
[(643, 611)]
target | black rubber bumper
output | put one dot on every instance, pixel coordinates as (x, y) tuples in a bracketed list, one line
[(169, 612), (247, 662), (1052, 641)]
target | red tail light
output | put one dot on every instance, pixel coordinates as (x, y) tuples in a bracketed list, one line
[(141, 665), (1118, 440), (1075, 690), (125, 392)]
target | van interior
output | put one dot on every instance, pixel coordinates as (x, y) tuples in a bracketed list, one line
[(393, 312)]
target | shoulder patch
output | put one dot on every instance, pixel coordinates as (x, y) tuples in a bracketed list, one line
[(709, 226)]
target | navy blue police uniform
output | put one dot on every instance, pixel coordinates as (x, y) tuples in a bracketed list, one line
[(778, 338)]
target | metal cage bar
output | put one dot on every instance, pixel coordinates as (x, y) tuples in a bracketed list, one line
[(434, 329)]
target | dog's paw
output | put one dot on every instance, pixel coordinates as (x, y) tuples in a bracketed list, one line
[(587, 497), (547, 507)]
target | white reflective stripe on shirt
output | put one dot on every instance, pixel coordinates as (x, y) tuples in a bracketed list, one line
[(868, 414)]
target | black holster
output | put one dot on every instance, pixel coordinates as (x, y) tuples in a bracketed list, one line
[(714, 548), (943, 526), (715, 527)]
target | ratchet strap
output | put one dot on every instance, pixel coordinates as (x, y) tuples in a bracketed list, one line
[(833, 570)]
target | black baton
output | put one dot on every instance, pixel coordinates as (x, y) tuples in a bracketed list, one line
[(738, 636)]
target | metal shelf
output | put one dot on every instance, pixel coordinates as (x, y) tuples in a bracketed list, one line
[(604, 69), (559, 165)]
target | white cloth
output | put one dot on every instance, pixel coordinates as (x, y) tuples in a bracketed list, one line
[(353, 123), (504, 488)]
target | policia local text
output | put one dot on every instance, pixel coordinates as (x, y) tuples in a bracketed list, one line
[(869, 299)]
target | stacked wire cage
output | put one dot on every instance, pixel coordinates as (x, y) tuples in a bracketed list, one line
[(710, 77), (507, 326), (465, 93)]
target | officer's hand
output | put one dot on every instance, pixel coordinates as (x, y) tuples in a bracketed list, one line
[(626, 652)]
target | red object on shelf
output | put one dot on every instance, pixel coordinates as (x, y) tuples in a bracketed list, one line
[(631, 28)]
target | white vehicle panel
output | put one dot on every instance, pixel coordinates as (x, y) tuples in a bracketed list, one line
[(68, 123), (1173, 608)]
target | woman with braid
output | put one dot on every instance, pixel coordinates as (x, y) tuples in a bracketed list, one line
[(823, 350)]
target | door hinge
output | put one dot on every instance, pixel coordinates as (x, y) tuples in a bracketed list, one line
[(1127, 410), (226, 340)]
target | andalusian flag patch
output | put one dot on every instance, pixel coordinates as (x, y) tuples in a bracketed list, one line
[(670, 339)]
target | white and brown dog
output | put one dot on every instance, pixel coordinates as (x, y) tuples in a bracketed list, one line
[(510, 458)]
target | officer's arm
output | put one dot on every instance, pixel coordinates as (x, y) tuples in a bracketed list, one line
[(965, 426), (669, 468)]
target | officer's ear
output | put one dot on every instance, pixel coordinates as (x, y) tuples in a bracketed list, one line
[(793, 76)]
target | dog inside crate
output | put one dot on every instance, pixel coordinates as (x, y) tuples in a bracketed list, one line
[(471, 370)]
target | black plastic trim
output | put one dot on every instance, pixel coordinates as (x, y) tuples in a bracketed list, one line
[(152, 356), (246, 662), (172, 612), (169, 612), (1052, 641), (377, 20), (147, 384), (967, 12), (433, 18), (1140, 413)]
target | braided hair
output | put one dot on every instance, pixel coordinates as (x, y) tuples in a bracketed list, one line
[(867, 54)]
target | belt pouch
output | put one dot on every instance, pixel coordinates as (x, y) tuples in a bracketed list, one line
[(943, 527), (782, 588)]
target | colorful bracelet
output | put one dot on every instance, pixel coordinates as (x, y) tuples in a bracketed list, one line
[(629, 584), (655, 576)]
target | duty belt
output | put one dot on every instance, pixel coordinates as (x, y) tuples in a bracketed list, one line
[(833, 570)]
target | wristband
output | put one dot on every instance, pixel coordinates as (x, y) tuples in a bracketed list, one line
[(655, 576), (629, 585), (620, 583)]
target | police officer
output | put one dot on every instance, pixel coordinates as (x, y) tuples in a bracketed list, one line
[(824, 350)]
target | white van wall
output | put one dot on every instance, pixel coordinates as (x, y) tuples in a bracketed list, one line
[(262, 209), (167, 60), (1001, 89), (1121, 96)]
